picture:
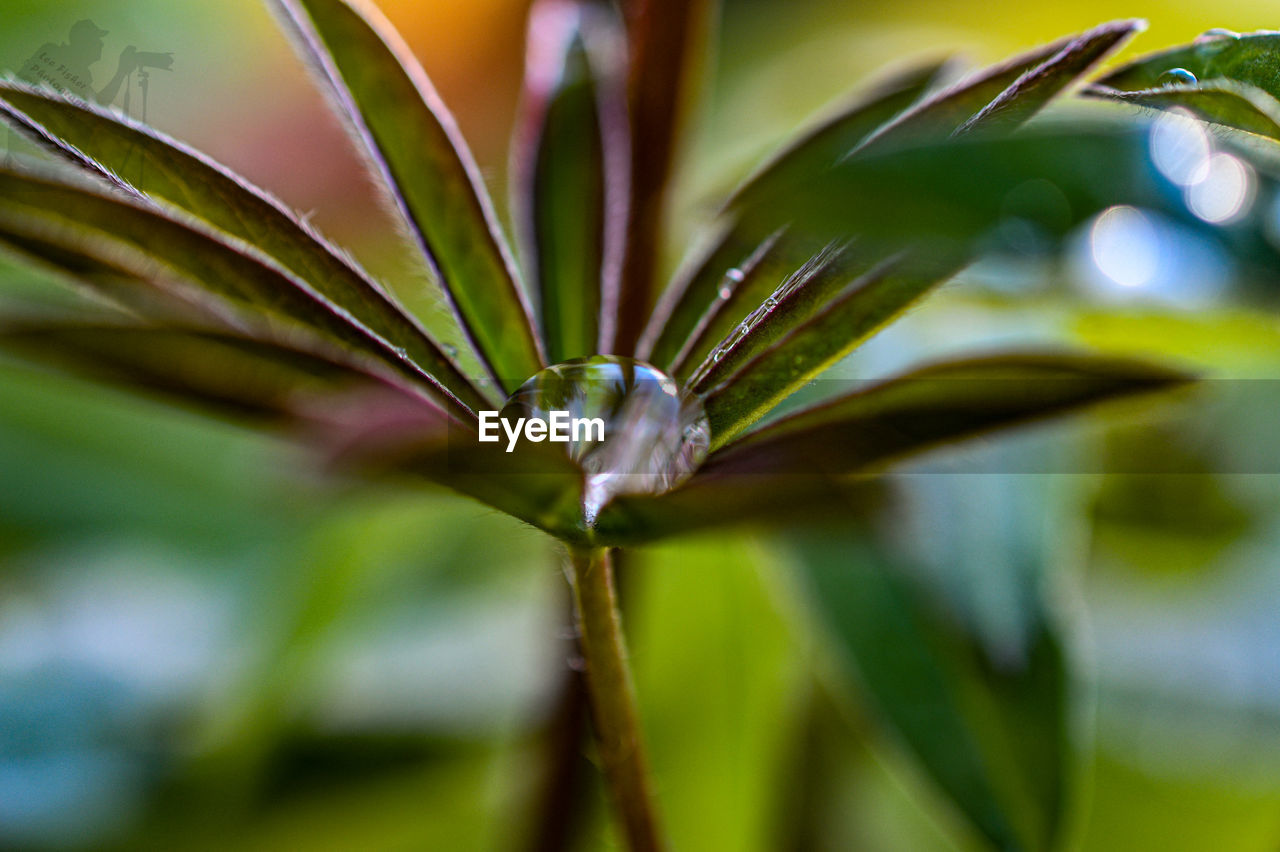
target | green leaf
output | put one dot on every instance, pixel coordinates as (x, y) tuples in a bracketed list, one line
[(167, 171), (942, 201), (227, 373), (537, 483), (95, 276), (384, 93), (680, 327), (1252, 59), (666, 41), (571, 165), (1000, 98), (718, 498), (1224, 102), (749, 283), (935, 405), (821, 147), (800, 354), (802, 294), (992, 734), (1016, 88), (690, 302), (956, 192), (364, 424), (1034, 90), (167, 255)]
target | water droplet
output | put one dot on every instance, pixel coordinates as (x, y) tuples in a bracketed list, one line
[(736, 275), (725, 291), (1215, 34), (449, 349), (770, 303), (1176, 77), (401, 351), (655, 434), (717, 356)]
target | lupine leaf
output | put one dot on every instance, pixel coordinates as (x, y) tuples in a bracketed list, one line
[(1250, 59), (949, 197), (1033, 77), (162, 252), (1224, 102), (993, 736), (1004, 96), (664, 37), (694, 292), (750, 283), (823, 146), (224, 372), (802, 294), (956, 191), (1034, 90), (363, 423), (166, 170), (804, 352), (572, 172), (413, 141), (537, 482), (714, 500), (103, 280), (691, 300), (934, 405)]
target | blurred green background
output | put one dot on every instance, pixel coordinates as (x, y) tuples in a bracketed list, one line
[(202, 646)]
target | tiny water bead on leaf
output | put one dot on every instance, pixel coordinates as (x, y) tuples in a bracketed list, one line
[(1177, 77), (655, 433), (1215, 34)]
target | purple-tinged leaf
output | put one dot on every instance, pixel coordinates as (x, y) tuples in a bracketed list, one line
[(715, 500), (666, 37), (803, 292), (1035, 76), (691, 305), (1035, 89), (571, 165), (267, 383), (935, 405), (161, 252), (162, 169), (803, 352), (382, 91)]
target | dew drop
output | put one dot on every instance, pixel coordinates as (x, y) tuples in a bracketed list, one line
[(449, 349), (655, 434), (717, 356), (736, 275), (1176, 77), (1215, 34), (725, 291)]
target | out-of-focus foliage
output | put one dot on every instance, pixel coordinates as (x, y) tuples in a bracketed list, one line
[(188, 629)]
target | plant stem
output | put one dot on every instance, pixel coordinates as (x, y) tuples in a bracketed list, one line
[(612, 695)]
